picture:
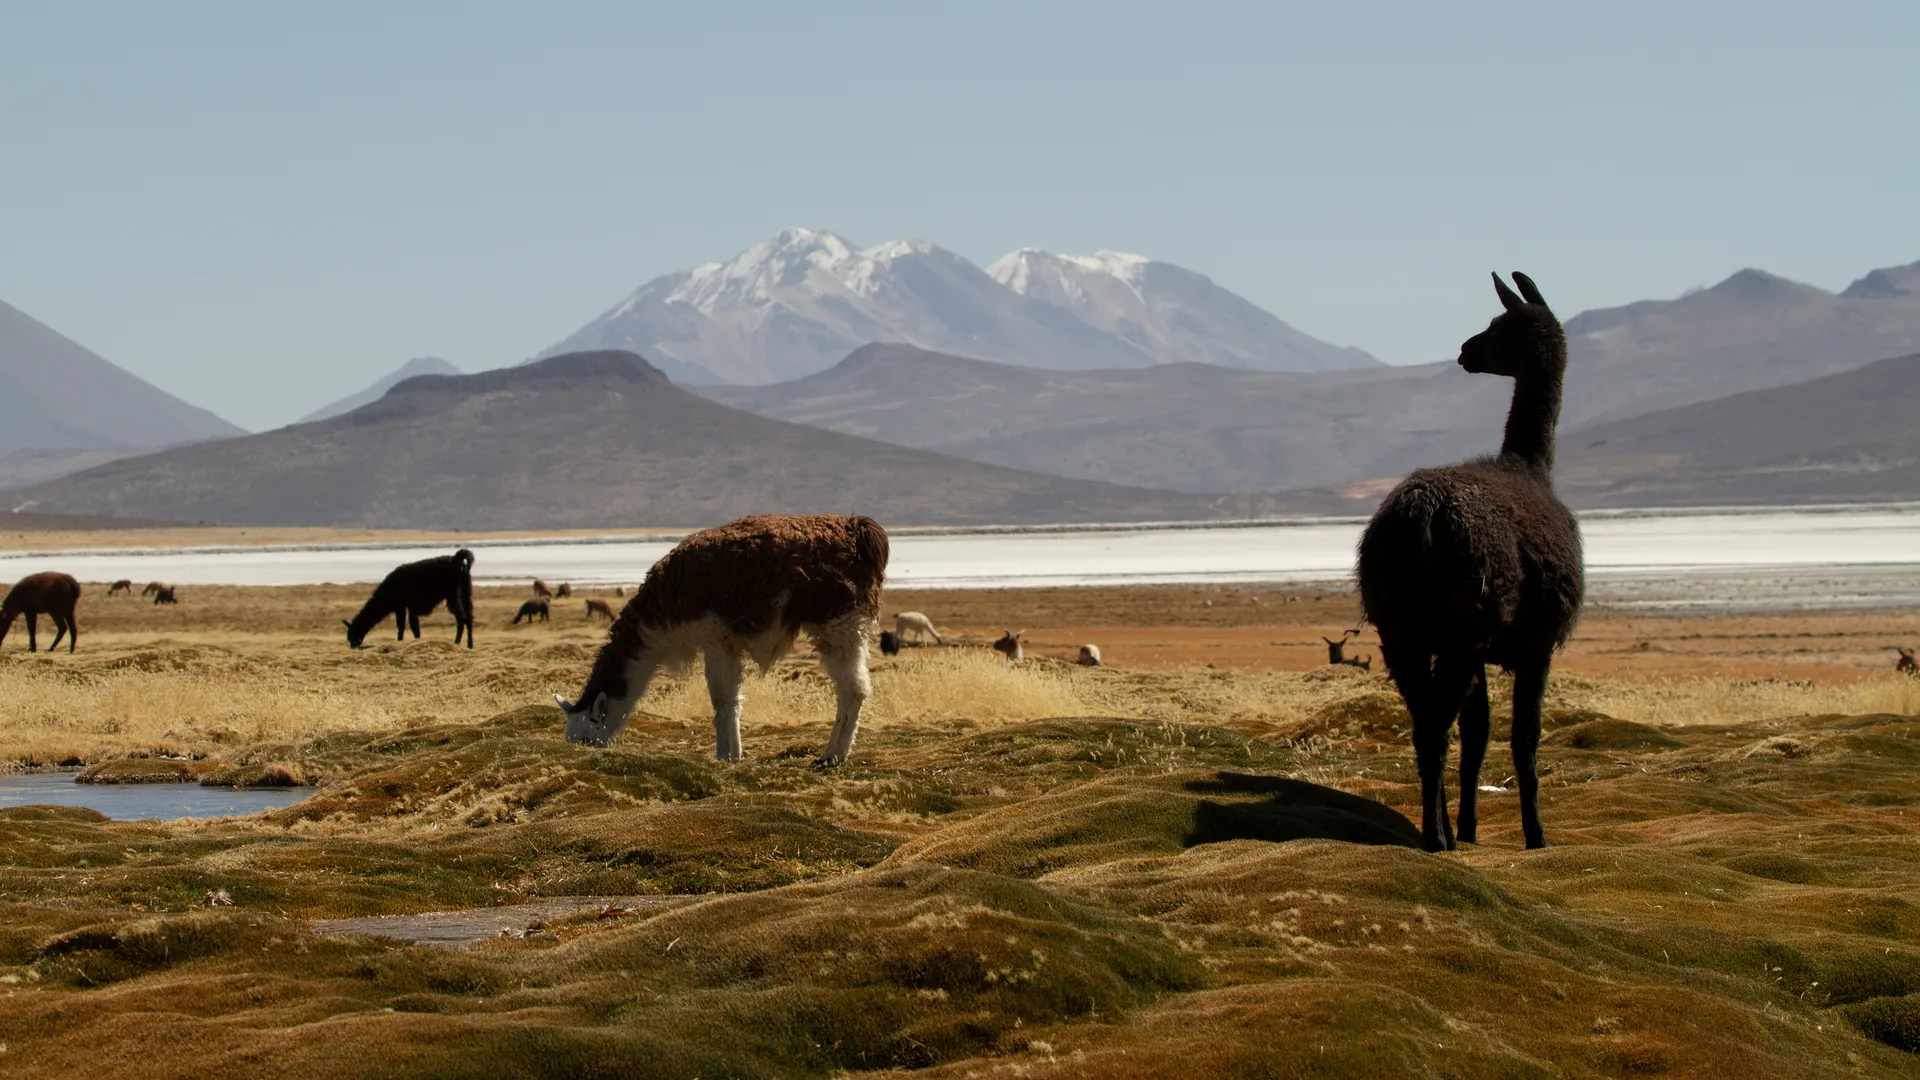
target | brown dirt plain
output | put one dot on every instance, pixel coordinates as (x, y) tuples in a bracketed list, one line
[(1026, 870)]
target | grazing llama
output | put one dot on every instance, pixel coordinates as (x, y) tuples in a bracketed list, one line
[(540, 589), (1906, 665), (912, 622), (152, 587), (747, 588), (415, 589), (165, 595), (533, 609), (599, 607), (51, 594), (124, 585), (563, 592), (1009, 644), (1478, 564)]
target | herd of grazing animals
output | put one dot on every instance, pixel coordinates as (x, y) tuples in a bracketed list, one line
[(1461, 566)]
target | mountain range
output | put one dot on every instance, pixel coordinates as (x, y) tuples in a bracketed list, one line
[(56, 394), (1208, 428), (584, 440), (798, 303)]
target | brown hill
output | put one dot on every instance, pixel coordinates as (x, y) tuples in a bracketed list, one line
[(1849, 437), (586, 440)]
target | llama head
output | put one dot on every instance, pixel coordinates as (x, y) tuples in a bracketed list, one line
[(1009, 643), (1520, 340), (591, 724), (465, 557), (354, 637)]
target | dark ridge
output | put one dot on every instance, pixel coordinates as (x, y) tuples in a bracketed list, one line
[(555, 372)]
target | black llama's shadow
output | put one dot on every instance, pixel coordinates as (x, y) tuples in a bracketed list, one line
[(1297, 810)]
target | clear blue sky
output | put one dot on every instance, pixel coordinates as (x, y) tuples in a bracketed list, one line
[(263, 206)]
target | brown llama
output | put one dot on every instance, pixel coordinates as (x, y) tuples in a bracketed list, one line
[(564, 591), (1337, 650), (540, 589), (1010, 645), (152, 587), (1479, 564), (1906, 665), (51, 594), (744, 589), (599, 607), (124, 585), (164, 595)]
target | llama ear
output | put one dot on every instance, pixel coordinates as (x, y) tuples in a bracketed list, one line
[(1528, 289), (346, 624), (600, 708), (1512, 302), (562, 702)]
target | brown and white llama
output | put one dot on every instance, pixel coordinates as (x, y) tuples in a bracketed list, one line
[(50, 594), (1010, 645), (744, 589)]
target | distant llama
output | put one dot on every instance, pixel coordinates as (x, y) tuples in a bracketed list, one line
[(52, 594), (1906, 665), (599, 607), (152, 587), (889, 643), (165, 595), (1478, 564), (124, 585), (1337, 650), (415, 589), (540, 589), (916, 624), (744, 589), (1089, 656), (563, 592), (533, 609), (1009, 645)]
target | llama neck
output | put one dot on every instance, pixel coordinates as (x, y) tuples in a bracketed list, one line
[(1532, 417)]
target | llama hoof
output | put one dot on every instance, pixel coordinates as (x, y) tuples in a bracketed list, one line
[(824, 762)]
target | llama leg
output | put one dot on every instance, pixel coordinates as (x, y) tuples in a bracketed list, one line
[(1529, 687), (843, 653), (413, 623), (725, 672), (400, 625), (1475, 728), (59, 632), (33, 638), (1412, 671)]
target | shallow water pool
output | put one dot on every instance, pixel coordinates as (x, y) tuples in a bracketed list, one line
[(133, 802)]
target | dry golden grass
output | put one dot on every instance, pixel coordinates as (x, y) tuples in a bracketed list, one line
[(1024, 870)]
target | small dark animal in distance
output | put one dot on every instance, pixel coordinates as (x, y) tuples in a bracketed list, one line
[(122, 586), (164, 595), (1907, 665), (531, 610), (889, 643)]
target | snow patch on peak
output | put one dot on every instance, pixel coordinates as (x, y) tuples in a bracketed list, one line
[(1128, 268)]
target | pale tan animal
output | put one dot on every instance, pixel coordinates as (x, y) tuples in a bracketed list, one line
[(912, 622)]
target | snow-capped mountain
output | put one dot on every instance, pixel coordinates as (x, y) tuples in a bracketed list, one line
[(798, 303), (1169, 312)]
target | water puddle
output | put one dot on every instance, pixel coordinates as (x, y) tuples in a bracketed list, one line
[(470, 925), (135, 802)]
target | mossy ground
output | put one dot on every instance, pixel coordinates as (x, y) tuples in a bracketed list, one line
[(975, 893)]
